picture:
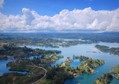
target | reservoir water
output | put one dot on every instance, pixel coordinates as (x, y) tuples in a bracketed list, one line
[(88, 50)]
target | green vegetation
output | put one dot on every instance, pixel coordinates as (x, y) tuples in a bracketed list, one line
[(34, 72), (33, 75), (51, 57), (45, 81), (107, 49), (105, 79), (88, 65), (102, 48), (11, 78), (58, 74), (81, 58), (46, 38), (21, 65), (22, 52), (115, 71), (40, 39), (35, 68), (63, 71), (55, 75), (66, 63)]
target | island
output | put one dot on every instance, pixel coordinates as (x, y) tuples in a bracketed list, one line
[(35, 69), (115, 71), (49, 74), (88, 64), (108, 50), (12, 51), (104, 79)]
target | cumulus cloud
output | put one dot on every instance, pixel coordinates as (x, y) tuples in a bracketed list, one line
[(85, 19), (28, 15), (1, 3)]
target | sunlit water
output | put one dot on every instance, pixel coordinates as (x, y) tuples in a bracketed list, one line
[(88, 50)]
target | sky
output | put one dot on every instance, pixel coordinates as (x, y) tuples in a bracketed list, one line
[(59, 15)]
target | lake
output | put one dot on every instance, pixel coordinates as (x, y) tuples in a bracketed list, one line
[(88, 50)]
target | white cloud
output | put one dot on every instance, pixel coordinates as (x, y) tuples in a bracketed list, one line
[(1, 3), (28, 15), (86, 19)]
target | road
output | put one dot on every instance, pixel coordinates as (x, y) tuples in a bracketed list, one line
[(44, 76)]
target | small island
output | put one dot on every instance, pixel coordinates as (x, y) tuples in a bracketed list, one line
[(88, 64), (108, 50)]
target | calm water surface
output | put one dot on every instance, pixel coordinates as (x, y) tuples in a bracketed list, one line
[(88, 50)]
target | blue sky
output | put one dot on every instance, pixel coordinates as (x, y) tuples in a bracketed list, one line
[(59, 15), (51, 7)]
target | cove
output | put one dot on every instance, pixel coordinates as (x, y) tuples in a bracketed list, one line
[(88, 50)]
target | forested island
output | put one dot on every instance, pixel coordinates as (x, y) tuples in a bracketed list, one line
[(88, 64), (107, 49), (55, 75), (11, 51), (108, 77), (105, 79), (115, 71), (49, 65), (35, 69)]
